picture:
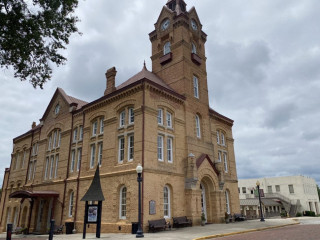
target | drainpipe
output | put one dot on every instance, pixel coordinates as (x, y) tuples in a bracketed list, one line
[(65, 180), (78, 178), (143, 130)]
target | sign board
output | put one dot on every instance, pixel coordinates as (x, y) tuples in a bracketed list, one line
[(92, 213), (152, 207)]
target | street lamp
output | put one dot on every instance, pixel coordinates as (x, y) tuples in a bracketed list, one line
[(261, 214), (139, 179)]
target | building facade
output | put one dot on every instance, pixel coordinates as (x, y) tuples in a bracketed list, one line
[(295, 193), (160, 119)]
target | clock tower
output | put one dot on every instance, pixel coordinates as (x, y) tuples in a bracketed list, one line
[(178, 51)]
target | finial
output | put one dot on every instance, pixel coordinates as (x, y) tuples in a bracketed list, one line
[(144, 65)]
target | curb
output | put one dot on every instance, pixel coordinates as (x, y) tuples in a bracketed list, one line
[(245, 231)]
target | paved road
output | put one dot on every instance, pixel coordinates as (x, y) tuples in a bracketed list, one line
[(297, 232)]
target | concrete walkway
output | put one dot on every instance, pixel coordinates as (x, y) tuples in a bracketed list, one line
[(189, 233)]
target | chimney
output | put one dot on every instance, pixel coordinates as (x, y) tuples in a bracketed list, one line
[(111, 79), (33, 125)]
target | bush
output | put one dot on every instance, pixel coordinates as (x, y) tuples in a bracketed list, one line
[(299, 214), (283, 214), (309, 213)]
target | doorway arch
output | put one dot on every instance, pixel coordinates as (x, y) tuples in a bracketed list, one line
[(207, 200)]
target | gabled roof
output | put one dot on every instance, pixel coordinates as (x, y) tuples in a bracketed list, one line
[(72, 101), (145, 74), (221, 117), (203, 157)]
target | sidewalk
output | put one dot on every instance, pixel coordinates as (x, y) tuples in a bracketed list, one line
[(188, 233)]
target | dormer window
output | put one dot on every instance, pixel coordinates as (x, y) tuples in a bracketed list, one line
[(167, 48)]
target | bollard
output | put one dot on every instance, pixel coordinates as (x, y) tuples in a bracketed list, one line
[(9, 231), (51, 229)]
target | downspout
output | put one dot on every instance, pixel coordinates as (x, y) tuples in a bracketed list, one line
[(5, 194), (78, 178), (143, 129), (65, 180)]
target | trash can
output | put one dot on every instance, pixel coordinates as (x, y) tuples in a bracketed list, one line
[(135, 226), (69, 227)]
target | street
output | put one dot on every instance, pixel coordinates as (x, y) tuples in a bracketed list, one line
[(296, 232)]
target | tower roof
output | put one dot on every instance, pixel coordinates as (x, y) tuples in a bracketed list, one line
[(179, 6)]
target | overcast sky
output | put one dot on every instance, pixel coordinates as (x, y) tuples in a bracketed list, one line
[(263, 63)]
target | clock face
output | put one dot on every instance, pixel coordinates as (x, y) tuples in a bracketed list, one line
[(165, 24), (194, 25)]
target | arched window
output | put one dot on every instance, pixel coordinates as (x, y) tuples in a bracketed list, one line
[(194, 49), (166, 48), (123, 203), (227, 202), (166, 202), (71, 204), (198, 129)]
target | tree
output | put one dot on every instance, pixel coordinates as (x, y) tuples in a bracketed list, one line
[(318, 191), (32, 32)]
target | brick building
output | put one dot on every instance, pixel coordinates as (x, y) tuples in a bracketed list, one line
[(159, 118)]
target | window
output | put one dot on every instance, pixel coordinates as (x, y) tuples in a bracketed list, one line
[(101, 125), (75, 135), (277, 188), (166, 202), (238, 190), (219, 156), (79, 158), (195, 87), (59, 138), (50, 142), (194, 49), (46, 169), (244, 190), (218, 137), (122, 118), (130, 147), (227, 202), (30, 170), (131, 116), (160, 148), (269, 189), (169, 120), (93, 153), (17, 160), (24, 158), (198, 130), (121, 149), (169, 150), (223, 139), (225, 162), (100, 153), (94, 128), (57, 109), (123, 202), (55, 139), (71, 204), (34, 168), (166, 48), (56, 167), (80, 133), (73, 159), (51, 167), (160, 116), (291, 190)]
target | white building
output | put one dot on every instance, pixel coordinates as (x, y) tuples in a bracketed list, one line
[(296, 193)]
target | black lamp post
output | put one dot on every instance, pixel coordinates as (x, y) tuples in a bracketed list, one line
[(261, 214), (139, 179)]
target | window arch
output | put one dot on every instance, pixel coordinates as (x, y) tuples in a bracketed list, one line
[(71, 203), (198, 127), (166, 48), (193, 48), (123, 203), (166, 202), (227, 201)]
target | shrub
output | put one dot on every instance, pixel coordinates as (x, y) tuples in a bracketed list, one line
[(309, 213), (299, 214)]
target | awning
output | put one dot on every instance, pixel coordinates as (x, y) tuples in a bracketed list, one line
[(33, 194)]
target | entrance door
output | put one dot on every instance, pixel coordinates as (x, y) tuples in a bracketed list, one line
[(203, 201), (40, 215)]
